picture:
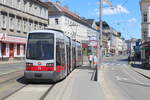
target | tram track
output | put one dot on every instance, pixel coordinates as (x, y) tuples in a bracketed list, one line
[(12, 86), (10, 76), (46, 93), (39, 92)]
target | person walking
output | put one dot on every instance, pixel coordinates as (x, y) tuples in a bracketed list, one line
[(90, 59), (95, 61), (129, 59)]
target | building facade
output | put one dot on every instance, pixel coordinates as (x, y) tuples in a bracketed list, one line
[(17, 17), (72, 24), (145, 32)]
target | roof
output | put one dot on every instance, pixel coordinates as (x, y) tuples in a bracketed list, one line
[(46, 30), (105, 24), (40, 3), (89, 21), (55, 8)]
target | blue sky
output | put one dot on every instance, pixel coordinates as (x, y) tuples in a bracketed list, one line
[(124, 18)]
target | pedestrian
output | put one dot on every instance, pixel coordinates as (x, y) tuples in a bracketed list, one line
[(129, 59), (90, 59), (95, 61)]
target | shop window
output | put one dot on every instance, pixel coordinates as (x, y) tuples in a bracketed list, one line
[(3, 49), (18, 49)]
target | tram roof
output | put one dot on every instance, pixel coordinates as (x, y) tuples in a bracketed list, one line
[(46, 30)]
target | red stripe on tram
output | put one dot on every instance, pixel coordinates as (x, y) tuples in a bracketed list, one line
[(59, 68), (40, 68)]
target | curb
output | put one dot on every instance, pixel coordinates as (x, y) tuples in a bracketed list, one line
[(146, 76)]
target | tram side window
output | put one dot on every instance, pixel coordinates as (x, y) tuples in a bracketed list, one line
[(60, 52)]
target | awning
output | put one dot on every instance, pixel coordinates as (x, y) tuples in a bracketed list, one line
[(12, 39)]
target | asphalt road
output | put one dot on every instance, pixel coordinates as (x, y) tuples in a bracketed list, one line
[(123, 82)]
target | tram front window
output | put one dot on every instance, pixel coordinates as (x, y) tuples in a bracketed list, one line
[(40, 46)]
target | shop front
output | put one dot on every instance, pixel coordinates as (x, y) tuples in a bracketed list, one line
[(145, 54), (12, 47)]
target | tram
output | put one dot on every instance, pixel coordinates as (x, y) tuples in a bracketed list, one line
[(50, 55)]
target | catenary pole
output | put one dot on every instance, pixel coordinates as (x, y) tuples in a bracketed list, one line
[(100, 47)]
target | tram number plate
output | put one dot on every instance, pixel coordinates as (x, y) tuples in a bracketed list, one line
[(38, 75)]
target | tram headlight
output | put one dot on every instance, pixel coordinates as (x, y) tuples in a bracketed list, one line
[(29, 64), (49, 65)]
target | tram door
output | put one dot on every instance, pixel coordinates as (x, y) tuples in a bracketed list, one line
[(11, 52)]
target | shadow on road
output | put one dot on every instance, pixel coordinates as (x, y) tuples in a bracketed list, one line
[(22, 80), (85, 68), (139, 66), (123, 60)]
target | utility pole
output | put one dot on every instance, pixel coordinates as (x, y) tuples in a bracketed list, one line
[(100, 51)]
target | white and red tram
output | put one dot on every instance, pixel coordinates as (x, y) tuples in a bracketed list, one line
[(50, 55)]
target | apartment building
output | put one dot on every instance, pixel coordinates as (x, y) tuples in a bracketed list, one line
[(145, 31), (72, 24), (17, 17)]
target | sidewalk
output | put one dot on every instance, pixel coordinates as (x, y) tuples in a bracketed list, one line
[(11, 61), (141, 70), (77, 86)]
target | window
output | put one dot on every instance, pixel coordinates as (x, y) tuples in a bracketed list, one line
[(56, 21), (30, 7), (25, 25), (4, 1), (19, 3), (30, 25), (60, 49), (3, 49), (145, 34), (25, 4), (4, 18), (145, 17), (18, 49), (11, 22), (40, 46), (18, 24)]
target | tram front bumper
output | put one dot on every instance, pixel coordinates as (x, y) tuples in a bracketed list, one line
[(42, 75)]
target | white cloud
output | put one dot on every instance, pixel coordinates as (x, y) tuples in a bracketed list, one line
[(132, 20), (92, 3), (115, 10), (111, 11)]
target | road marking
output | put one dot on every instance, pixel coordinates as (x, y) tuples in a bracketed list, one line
[(121, 79), (118, 64)]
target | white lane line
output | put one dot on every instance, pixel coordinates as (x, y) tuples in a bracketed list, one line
[(118, 64), (132, 76), (121, 79)]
